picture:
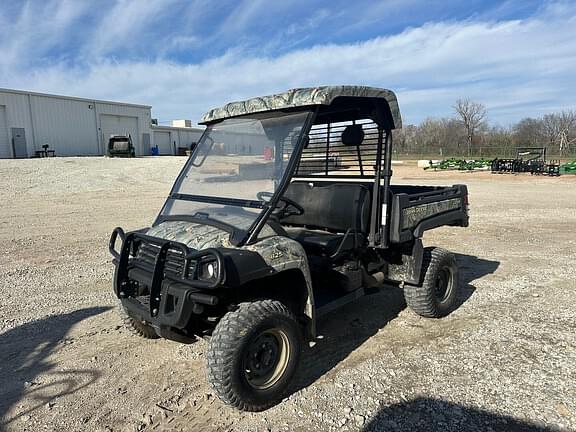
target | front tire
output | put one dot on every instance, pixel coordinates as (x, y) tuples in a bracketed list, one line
[(253, 354), (437, 295)]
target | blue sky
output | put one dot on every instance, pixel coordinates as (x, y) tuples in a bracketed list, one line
[(185, 57)]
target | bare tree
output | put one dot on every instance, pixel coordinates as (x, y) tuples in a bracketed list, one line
[(529, 132), (472, 115), (445, 136), (559, 129), (499, 141)]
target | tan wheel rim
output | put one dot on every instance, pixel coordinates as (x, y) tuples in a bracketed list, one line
[(443, 284), (266, 358)]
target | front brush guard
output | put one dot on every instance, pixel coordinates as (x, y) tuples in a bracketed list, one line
[(124, 262)]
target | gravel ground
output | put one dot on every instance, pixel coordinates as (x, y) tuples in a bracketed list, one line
[(505, 360)]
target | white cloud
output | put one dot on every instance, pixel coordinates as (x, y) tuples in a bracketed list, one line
[(125, 25), (36, 31), (517, 68)]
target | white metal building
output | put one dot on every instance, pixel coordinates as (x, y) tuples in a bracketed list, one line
[(170, 138), (79, 127)]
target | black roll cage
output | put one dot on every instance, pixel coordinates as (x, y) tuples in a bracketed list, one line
[(338, 111)]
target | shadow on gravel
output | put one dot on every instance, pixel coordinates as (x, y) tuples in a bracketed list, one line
[(24, 356), (471, 269), (343, 331), (431, 415)]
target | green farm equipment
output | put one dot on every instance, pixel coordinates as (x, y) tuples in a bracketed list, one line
[(459, 164), (568, 168)]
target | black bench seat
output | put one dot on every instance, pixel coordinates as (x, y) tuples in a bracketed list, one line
[(335, 218)]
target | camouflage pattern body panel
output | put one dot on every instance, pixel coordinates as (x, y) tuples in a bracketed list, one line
[(195, 236), (301, 97), (280, 253), (198, 236), (412, 216), (283, 253)]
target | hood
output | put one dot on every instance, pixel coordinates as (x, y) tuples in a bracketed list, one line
[(198, 236), (195, 236)]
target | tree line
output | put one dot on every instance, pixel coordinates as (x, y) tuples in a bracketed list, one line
[(468, 134)]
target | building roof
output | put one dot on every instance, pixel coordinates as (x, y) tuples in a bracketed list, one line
[(174, 128), (301, 97), (25, 92)]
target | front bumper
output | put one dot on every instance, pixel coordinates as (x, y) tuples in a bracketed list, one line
[(162, 286)]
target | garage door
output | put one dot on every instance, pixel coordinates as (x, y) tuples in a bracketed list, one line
[(119, 125), (162, 140), (5, 151)]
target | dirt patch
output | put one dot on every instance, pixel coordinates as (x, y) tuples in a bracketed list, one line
[(504, 360)]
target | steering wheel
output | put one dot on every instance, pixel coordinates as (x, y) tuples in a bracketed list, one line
[(290, 208)]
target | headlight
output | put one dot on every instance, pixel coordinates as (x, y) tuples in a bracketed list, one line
[(208, 270)]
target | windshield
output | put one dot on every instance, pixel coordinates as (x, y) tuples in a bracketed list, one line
[(236, 167)]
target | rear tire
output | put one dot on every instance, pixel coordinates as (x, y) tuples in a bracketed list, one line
[(136, 327), (253, 354), (437, 295)]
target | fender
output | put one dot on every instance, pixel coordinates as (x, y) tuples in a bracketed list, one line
[(281, 254)]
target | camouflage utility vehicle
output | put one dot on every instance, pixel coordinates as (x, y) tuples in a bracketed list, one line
[(120, 146), (283, 213)]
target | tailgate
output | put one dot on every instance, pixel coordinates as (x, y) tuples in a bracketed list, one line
[(412, 214)]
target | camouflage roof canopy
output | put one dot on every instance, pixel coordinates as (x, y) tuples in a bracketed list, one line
[(301, 97)]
